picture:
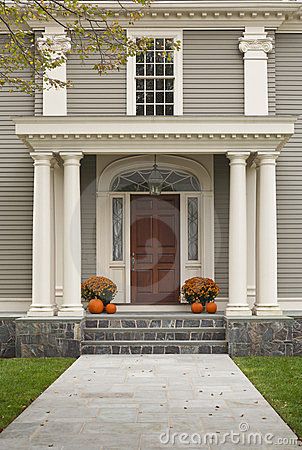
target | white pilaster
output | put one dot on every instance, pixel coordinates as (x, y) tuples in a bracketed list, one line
[(72, 305), (255, 45), (54, 40), (266, 299), (237, 305), (42, 277)]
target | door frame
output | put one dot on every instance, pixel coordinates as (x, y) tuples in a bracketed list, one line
[(119, 271)]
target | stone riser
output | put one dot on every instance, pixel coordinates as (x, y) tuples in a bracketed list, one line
[(149, 334), (115, 322), (88, 348)]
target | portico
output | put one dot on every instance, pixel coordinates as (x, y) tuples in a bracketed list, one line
[(57, 142)]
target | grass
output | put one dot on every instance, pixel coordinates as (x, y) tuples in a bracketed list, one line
[(279, 379), (24, 379)]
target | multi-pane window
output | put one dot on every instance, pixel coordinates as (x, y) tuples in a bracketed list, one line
[(155, 79)]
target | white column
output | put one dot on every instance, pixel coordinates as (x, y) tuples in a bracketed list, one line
[(237, 305), (251, 233), (42, 301), (72, 305), (266, 297), (255, 45), (59, 223), (54, 40)]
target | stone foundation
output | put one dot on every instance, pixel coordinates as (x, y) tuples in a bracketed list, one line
[(58, 337), (54, 337), (257, 336), (7, 337)]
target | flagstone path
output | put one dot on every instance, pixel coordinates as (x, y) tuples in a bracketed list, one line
[(148, 402)]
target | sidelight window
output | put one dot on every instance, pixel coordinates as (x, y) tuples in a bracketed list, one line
[(192, 228), (117, 228)]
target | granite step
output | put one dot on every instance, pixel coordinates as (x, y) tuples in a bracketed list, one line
[(187, 320), (154, 334), (153, 347)]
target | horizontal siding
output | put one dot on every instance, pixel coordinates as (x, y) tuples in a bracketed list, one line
[(94, 94), (88, 215), (16, 199), (271, 72), (289, 166), (213, 73), (221, 222)]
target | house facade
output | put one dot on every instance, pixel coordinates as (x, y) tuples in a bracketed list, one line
[(221, 118)]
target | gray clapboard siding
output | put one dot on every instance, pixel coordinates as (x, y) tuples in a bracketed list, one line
[(92, 94), (289, 166), (88, 215), (16, 199), (271, 72), (221, 222), (213, 72)]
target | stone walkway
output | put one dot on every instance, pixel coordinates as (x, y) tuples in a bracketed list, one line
[(148, 402)]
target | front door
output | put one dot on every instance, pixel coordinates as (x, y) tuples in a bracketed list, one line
[(155, 266)]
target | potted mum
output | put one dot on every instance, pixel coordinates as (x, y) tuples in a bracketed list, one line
[(199, 293), (98, 292)]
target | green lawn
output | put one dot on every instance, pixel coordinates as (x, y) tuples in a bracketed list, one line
[(24, 379), (279, 379)]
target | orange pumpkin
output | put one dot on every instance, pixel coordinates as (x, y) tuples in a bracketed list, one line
[(111, 308), (196, 308), (95, 306), (211, 307)]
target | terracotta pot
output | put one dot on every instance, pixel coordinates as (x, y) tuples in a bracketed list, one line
[(111, 308), (196, 308), (211, 307), (95, 306)]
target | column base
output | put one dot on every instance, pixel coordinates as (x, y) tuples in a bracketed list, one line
[(41, 311), (238, 310), (267, 310), (71, 311)]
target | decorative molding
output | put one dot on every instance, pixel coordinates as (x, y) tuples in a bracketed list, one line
[(247, 44), (55, 43)]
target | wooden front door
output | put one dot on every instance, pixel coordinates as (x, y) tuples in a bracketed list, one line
[(155, 271)]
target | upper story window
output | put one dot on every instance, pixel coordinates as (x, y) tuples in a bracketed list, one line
[(154, 79)]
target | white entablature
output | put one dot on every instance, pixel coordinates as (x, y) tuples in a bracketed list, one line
[(137, 135)]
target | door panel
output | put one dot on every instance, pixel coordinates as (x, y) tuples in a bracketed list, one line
[(155, 274)]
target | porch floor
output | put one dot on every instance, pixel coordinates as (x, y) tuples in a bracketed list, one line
[(145, 403)]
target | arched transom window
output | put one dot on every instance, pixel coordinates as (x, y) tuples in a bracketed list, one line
[(137, 181)]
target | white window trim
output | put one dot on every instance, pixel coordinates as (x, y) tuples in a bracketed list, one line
[(177, 35)]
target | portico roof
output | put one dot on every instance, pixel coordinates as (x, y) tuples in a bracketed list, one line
[(137, 135)]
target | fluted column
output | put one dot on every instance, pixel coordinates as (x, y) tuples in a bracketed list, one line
[(72, 305), (238, 305), (42, 276), (266, 280)]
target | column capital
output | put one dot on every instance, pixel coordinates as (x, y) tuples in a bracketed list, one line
[(250, 43), (54, 43), (42, 158), (73, 158), (238, 157), (266, 158)]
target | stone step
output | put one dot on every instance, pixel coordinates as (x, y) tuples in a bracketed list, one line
[(153, 347), (154, 321), (154, 334)]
